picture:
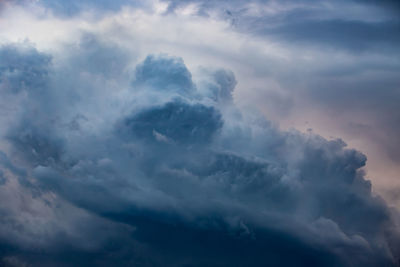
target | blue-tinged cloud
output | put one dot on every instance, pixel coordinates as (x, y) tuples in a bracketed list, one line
[(373, 26), (164, 74), (218, 85), (23, 68), (180, 175), (356, 36), (75, 7), (175, 122)]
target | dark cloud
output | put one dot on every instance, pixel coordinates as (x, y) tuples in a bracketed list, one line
[(341, 34), (175, 122), (176, 176), (238, 4), (313, 23), (390, 5)]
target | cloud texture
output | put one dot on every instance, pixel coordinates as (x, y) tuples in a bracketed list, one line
[(125, 139), (166, 171)]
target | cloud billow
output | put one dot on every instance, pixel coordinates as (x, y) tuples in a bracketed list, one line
[(178, 175)]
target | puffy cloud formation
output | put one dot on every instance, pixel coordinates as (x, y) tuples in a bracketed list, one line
[(148, 168), (330, 66)]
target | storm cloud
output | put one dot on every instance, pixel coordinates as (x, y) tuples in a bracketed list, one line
[(120, 145), (179, 171)]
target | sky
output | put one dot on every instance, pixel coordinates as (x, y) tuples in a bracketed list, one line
[(199, 133)]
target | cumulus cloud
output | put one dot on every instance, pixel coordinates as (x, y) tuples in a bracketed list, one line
[(112, 153), (154, 168)]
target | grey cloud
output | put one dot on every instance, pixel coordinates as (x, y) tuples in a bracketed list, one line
[(165, 74), (340, 34), (218, 85), (23, 68), (176, 121), (74, 7), (332, 25), (202, 182), (41, 229), (98, 57), (357, 95), (390, 5)]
